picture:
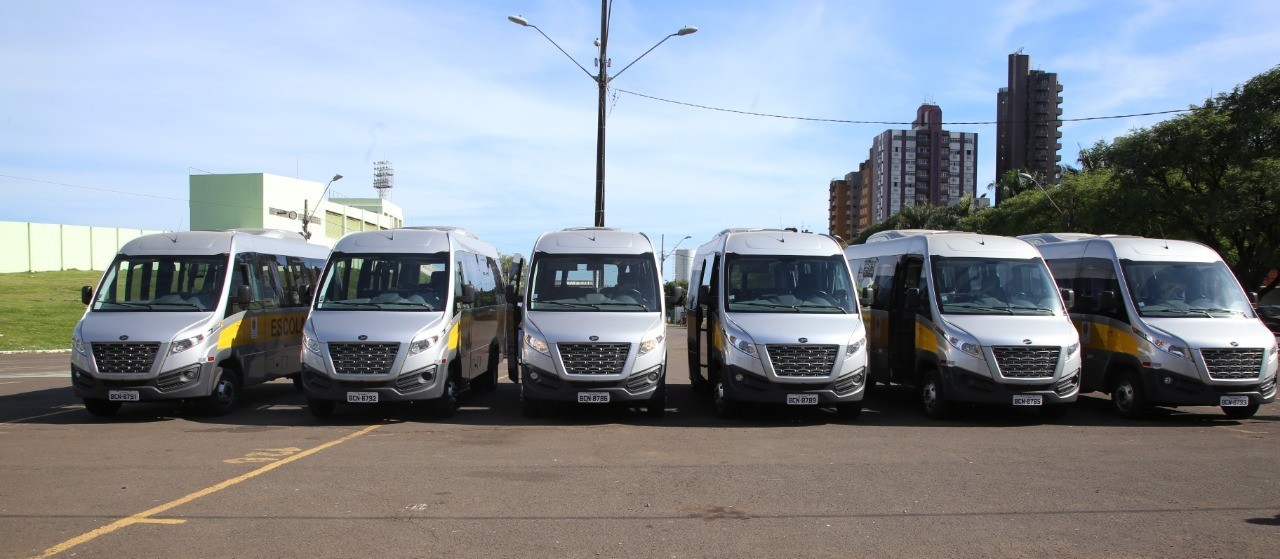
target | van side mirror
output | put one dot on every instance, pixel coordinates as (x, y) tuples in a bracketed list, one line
[(913, 297), (1068, 298), (868, 295), (677, 293), (306, 293), (242, 296), (1107, 301), (704, 293), (86, 295), (510, 294), (1253, 298), (468, 294)]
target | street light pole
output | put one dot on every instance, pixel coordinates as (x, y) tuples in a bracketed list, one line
[(662, 251), (307, 215), (1046, 195), (602, 79)]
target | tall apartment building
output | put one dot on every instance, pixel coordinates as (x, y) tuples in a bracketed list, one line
[(1028, 122), (923, 165), (843, 206)]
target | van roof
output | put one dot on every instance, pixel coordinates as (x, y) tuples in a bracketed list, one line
[(893, 234), (415, 240), (772, 241), (593, 240), (946, 243), (222, 241), (1126, 247)]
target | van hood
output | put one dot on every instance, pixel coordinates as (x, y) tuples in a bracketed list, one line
[(1216, 332), (138, 326), (378, 326), (627, 327), (1005, 330), (789, 328)]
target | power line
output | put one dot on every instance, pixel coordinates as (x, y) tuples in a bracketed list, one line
[(843, 121)]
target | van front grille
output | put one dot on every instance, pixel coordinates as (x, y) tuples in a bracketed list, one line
[(1026, 362), (1233, 364), (363, 359), (594, 359), (794, 360), (113, 357)]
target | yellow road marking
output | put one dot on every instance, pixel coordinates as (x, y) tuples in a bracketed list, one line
[(161, 521), (1242, 430), (39, 416), (145, 516)]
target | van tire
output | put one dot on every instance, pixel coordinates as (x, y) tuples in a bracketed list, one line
[(1239, 412), (725, 408), (447, 404), (1128, 396), (321, 409), (101, 408), (657, 404), (226, 392), (932, 400)]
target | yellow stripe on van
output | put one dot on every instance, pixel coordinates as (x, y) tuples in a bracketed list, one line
[(454, 335), (926, 338), (258, 328), (1107, 337)]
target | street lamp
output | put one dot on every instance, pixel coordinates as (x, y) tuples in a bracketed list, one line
[(662, 251), (602, 81), (1046, 195), (307, 215)]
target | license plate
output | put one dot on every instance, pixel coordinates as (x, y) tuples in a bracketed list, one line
[(134, 395), (802, 399), (1233, 401), (1028, 400), (362, 397), (593, 397)]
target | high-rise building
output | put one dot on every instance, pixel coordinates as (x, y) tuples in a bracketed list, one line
[(1028, 122), (683, 259), (923, 165), (843, 206)]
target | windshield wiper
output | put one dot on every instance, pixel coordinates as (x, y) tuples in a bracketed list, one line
[(129, 304), (626, 304), (770, 305), (1021, 308), (350, 303), (810, 306), (979, 307), (563, 304)]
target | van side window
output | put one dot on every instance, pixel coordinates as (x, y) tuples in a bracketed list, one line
[(884, 269), (1064, 275), (1098, 275)]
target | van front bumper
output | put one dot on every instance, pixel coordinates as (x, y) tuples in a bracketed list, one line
[(406, 387), (637, 387), (960, 385), (177, 384), (1166, 388), (745, 386)]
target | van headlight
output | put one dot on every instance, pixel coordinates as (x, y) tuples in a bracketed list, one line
[(1176, 349), (77, 344), (1072, 349), (183, 345), (537, 344), (312, 344), (744, 346), (855, 343), (968, 346), (421, 345), (650, 344)]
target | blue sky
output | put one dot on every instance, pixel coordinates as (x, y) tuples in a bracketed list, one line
[(491, 128)]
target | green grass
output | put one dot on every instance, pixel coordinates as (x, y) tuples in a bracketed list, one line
[(39, 310)]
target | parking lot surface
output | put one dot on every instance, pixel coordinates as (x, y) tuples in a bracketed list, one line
[(162, 480)]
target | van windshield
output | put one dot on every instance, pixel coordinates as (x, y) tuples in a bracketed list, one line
[(1185, 289), (162, 284), (787, 284), (594, 282), (1002, 286), (385, 282)]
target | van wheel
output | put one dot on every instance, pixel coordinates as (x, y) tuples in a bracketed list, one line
[(657, 405), (226, 392), (321, 409), (1053, 412), (1128, 398), (1233, 412), (849, 411), (447, 404), (725, 408), (103, 408), (932, 400)]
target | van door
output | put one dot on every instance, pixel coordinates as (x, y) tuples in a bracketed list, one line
[(702, 322), (515, 317), (902, 321)]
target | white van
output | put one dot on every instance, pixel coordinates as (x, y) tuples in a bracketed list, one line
[(593, 322), (966, 317), (1164, 322), (773, 318), (194, 315), (404, 315)]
